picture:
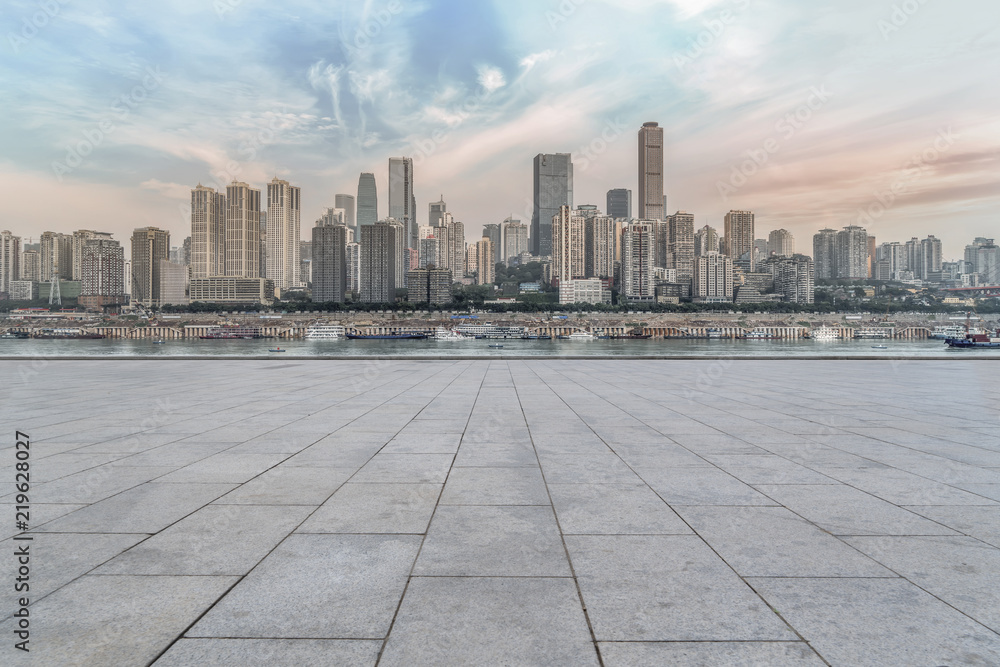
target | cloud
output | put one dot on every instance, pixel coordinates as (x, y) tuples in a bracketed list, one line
[(489, 77)]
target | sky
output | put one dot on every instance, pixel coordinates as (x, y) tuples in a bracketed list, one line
[(812, 115)]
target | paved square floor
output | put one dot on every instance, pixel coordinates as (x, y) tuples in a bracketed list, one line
[(545, 512)]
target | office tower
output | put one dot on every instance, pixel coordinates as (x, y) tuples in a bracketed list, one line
[(780, 243), (713, 277), (472, 259), (102, 273), (706, 240), (305, 260), (430, 286), (149, 246), (367, 200), (173, 283), (652, 203), (353, 259), (515, 239), (243, 226), (930, 249), (329, 262), (283, 234), (599, 247), (494, 232), (871, 255), (31, 266), (346, 202), (401, 198), (436, 211), (553, 187), (739, 233), (208, 232), (485, 271), (825, 253), (638, 241), (851, 253), (186, 251), (619, 204), (793, 277), (680, 244), (568, 245), (10, 260), (57, 255), (378, 262), (79, 238), (402, 258), (456, 248)]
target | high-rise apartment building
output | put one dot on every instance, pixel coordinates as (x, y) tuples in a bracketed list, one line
[(348, 205), (329, 262), (638, 249), (208, 232), (243, 247), (739, 233), (57, 255), (553, 188), (652, 202), (680, 244), (982, 258), (851, 253), (430, 247), (515, 239), (780, 243), (402, 256), (378, 262), (149, 246), (401, 198), (431, 286), (456, 248), (367, 200), (472, 259), (713, 277), (599, 246), (793, 277), (102, 278), (79, 238), (494, 232), (31, 266), (825, 253), (568, 245), (930, 264), (173, 283), (619, 203), (706, 240), (353, 258), (486, 270), (10, 260), (284, 203)]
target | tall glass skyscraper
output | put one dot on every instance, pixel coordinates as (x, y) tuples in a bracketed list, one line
[(620, 203), (553, 187), (401, 199), (652, 203), (367, 200), (346, 202)]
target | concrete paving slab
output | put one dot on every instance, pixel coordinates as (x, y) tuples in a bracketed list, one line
[(709, 654), (375, 508), (269, 652), (614, 509), (495, 486)]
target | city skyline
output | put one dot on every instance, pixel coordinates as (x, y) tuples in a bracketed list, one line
[(834, 121)]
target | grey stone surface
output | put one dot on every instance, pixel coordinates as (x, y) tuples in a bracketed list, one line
[(700, 486), (709, 654), (317, 587), (495, 486), (666, 588), (980, 522), (613, 509), (490, 621), (375, 508), (406, 468), (217, 539), (289, 485), (205, 652), (879, 622)]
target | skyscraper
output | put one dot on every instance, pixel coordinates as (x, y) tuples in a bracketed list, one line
[(780, 243), (638, 248), (367, 200), (31, 265), (515, 239), (680, 243), (619, 204), (456, 247), (739, 233), (706, 240), (599, 246), (930, 249), (825, 254), (436, 211), (149, 246), (652, 202), (793, 277), (57, 255), (243, 247), (10, 260), (713, 277), (283, 234), (486, 271), (378, 263), (402, 257), (553, 187), (494, 232), (79, 238), (329, 262), (346, 202), (102, 278), (401, 198), (208, 232), (353, 253), (851, 253), (568, 245)]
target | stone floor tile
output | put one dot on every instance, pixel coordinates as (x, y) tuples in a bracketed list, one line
[(614, 509), (288, 485), (495, 486), (708, 654), (375, 508), (268, 652)]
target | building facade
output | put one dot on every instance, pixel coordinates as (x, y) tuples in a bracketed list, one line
[(713, 278), (149, 246), (568, 245), (851, 254), (680, 244), (793, 277), (102, 266), (485, 269), (378, 259), (401, 198), (367, 201), (208, 232), (619, 203), (329, 263), (652, 202), (780, 243), (739, 236), (10, 260), (430, 286), (284, 203), (638, 250), (552, 188), (243, 226), (706, 240)]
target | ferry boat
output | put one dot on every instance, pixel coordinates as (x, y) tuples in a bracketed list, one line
[(578, 335), (977, 340), (16, 335), (445, 334), (490, 331), (756, 334), (957, 331), (528, 336), (395, 336), (824, 333), (233, 332), (873, 332), (717, 333), (66, 334), (325, 332)]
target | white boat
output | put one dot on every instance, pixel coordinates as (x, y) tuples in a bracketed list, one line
[(324, 332), (944, 333), (825, 333), (445, 334), (579, 335), (873, 332)]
